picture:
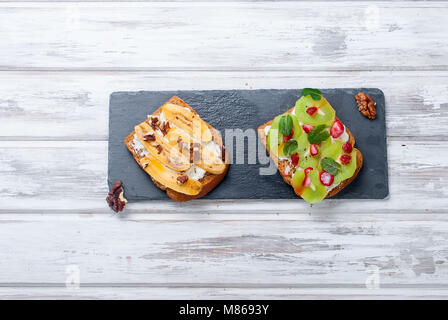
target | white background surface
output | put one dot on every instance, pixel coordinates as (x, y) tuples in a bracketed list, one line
[(59, 61)]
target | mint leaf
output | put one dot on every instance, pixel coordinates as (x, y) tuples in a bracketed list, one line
[(290, 147), (318, 134), (286, 125), (331, 166), (314, 93)]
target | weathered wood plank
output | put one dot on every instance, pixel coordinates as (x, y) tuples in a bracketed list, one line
[(225, 36), (220, 249), (320, 251), (171, 293), (71, 176), (80, 1), (74, 105)]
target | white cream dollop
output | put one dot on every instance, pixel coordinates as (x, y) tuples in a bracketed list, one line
[(195, 173), (214, 148), (139, 147)]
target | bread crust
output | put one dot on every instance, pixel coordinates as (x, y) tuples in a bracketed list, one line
[(209, 181), (282, 163)]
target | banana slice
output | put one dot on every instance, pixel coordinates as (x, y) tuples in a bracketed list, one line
[(175, 135), (210, 159), (168, 177), (188, 121), (168, 154), (170, 145)]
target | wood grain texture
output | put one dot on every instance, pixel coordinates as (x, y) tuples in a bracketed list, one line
[(74, 105), (225, 36), (317, 251), (71, 175), (187, 1), (225, 293), (60, 61)]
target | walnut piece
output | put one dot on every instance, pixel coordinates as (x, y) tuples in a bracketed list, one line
[(366, 105), (149, 137), (165, 127), (182, 179), (154, 122), (115, 198)]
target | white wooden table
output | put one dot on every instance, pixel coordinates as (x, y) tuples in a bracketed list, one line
[(60, 61)]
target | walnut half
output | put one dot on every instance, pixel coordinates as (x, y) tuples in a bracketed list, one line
[(182, 179), (366, 105), (115, 198)]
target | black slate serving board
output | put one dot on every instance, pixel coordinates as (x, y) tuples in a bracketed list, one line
[(244, 109)]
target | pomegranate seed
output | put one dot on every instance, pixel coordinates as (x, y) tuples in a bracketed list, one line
[(337, 129), (314, 149), (347, 147), (306, 182), (326, 178), (295, 159), (311, 111), (287, 138), (307, 170), (345, 159), (307, 128)]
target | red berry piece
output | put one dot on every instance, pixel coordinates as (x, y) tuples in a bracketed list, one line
[(347, 147), (306, 182), (314, 149), (311, 111), (326, 178), (337, 129), (307, 170), (287, 138), (307, 128), (295, 159), (345, 159)]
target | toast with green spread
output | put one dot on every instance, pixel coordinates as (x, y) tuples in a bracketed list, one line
[(313, 150)]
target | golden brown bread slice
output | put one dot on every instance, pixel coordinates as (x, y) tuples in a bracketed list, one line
[(208, 182), (281, 164)]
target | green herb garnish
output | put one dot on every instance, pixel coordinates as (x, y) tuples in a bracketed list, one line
[(314, 93), (290, 147), (331, 166), (286, 125), (318, 134)]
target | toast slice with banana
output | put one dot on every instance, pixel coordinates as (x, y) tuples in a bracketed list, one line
[(313, 150), (181, 153)]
